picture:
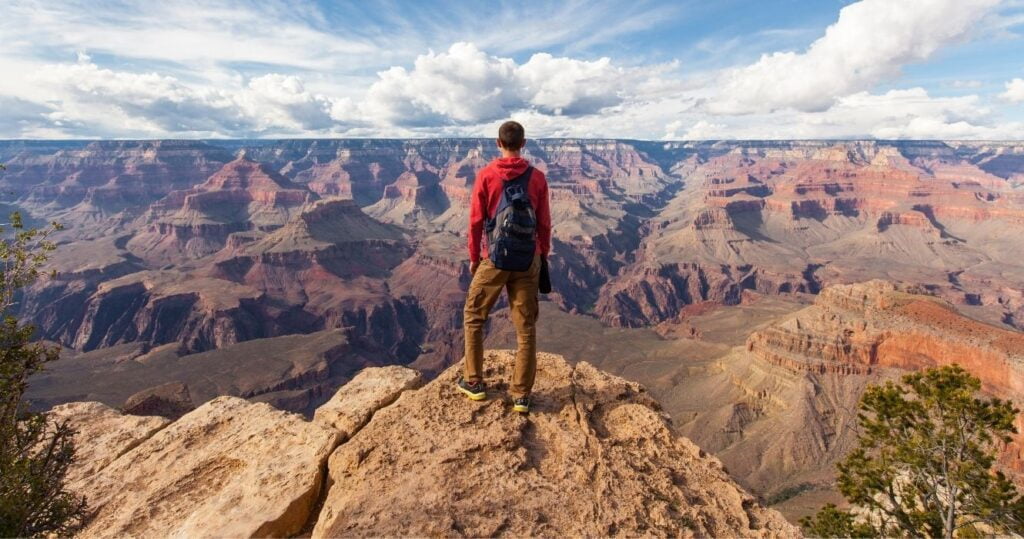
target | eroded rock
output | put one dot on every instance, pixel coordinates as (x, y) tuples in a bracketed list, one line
[(596, 457), (230, 468), (372, 389), (171, 400), (101, 435)]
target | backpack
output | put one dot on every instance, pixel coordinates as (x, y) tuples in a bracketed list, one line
[(512, 232)]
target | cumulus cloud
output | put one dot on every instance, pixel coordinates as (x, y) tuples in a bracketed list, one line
[(896, 114), (283, 101), (465, 85), (94, 101), (1014, 91), (462, 85), (704, 129), (869, 43), (135, 102), (913, 114)]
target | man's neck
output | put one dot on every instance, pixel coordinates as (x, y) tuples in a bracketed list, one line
[(507, 153)]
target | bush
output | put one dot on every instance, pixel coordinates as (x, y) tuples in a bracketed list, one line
[(35, 453), (924, 465)]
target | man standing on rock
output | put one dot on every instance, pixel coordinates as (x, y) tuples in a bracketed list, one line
[(510, 203)]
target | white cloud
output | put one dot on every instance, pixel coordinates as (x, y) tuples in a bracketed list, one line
[(913, 114), (465, 85), (1014, 91), (869, 43), (283, 101), (571, 87), (87, 96), (92, 101), (196, 33), (896, 114), (462, 85), (704, 129)]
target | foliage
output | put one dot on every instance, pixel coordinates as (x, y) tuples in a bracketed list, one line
[(924, 463), (35, 453), (833, 522)]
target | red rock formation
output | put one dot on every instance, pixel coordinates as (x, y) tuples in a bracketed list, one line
[(856, 329), (855, 211), (196, 222), (642, 229)]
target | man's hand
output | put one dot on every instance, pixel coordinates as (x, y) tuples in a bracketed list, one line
[(473, 267)]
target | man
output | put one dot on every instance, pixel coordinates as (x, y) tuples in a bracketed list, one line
[(510, 200)]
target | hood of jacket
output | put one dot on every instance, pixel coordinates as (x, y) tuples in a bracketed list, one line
[(508, 168)]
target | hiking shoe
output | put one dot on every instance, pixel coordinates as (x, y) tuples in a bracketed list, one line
[(521, 405), (476, 391)]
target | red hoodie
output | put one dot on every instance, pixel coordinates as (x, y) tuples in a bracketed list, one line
[(487, 193)]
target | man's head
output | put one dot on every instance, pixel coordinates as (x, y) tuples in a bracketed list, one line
[(511, 136)]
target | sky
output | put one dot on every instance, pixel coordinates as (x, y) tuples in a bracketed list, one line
[(672, 70)]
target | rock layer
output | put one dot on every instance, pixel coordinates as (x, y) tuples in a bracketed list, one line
[(790, 217), (854, 328), (865, 327)]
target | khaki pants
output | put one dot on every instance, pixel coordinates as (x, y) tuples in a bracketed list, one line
[(484, 291)]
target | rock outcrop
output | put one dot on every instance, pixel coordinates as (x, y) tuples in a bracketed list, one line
[(372, 389), (230, 468), (596, 457), (102, 434), (171, 400)]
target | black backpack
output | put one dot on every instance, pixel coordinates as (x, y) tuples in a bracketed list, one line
[(512, 232)]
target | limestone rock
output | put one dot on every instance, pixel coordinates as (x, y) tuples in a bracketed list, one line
[(171, 400), (101, 435), (596, 457), (372, 389), (230, 468)]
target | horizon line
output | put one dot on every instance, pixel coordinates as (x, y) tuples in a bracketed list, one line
[(626, 139)]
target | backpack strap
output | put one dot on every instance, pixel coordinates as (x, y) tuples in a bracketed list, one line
[(522, 180)]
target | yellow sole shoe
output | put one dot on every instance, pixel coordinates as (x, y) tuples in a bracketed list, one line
[(521, 408), (473, 396)]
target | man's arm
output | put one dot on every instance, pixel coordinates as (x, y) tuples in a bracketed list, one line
[(477, 215), (544, 217)]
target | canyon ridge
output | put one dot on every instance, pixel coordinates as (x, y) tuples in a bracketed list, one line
[(754, 288)]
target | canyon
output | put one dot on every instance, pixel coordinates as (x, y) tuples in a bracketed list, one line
[(754, 287)]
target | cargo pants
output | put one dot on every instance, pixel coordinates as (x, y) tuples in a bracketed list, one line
[(484, 291)]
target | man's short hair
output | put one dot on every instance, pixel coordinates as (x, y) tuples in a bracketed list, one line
[(511, 135)]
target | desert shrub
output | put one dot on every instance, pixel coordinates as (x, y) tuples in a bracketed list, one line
[(925, 463), (35, 452)]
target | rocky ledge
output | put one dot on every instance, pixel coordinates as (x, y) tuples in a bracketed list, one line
[(596, 457)]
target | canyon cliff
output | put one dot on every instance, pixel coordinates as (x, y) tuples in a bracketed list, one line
[(780, 409), (598, 456)]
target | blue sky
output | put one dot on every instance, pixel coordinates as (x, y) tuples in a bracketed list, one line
[(951, 69)]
